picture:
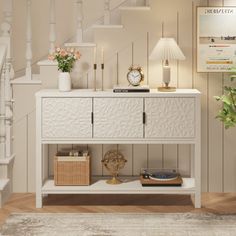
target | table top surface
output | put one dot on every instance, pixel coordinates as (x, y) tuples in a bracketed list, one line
[(110, 93)]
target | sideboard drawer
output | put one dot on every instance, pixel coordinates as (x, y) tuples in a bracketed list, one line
[(66, 117), (170, 117)]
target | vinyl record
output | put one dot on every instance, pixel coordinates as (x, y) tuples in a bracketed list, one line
[(164, 176)]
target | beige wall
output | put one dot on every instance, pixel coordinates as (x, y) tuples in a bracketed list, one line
[(141, 31)]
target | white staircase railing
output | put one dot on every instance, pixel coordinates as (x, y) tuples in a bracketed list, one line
[(80, 16), (3, 54), (107, 12), (8, 111), (6, 28), (7, 11), (52, 27), (6, 158), (7, 73), (28, 53)]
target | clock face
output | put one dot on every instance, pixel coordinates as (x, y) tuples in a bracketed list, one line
[(134, 77)]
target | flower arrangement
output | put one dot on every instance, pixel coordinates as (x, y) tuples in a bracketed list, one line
[(65, 58)]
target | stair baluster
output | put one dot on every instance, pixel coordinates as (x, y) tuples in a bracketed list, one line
[(107, 13), (7, 11), (2, 114), (80, 17), (28, 71), (9, 114), (52, 25), (6, 28)]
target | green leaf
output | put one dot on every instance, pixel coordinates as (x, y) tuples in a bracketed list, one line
[(218, 98), (226, 99)]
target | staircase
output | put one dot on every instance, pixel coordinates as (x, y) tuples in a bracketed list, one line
[(84, 36), (28, 84)]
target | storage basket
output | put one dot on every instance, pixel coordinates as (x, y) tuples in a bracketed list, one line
[(72, 170)]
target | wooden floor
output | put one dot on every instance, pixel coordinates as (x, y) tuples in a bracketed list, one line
[(219, 203)]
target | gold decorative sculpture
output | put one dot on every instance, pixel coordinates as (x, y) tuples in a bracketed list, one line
[(114, 161)]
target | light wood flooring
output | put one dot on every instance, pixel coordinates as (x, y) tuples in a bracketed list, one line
[(219, 203)]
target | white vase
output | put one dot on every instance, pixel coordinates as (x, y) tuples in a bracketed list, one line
[(64, 82)]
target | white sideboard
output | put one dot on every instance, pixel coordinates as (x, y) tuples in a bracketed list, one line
[(87, 117)]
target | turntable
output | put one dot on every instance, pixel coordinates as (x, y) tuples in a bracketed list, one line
[(160, 177)]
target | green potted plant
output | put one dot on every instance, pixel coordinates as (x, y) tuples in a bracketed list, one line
[(65, 59), (227, 114)]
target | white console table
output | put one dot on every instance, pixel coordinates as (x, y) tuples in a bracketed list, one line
[(87, 117)]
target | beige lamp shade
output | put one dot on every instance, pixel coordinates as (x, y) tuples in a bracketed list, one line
[(167, 49)]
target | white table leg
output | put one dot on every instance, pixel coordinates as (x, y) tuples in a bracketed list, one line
[(39, 197), (197, 155), (38, 162), (197, 162), (39, 200)]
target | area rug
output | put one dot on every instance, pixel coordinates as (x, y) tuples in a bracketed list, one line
[(187, 224)]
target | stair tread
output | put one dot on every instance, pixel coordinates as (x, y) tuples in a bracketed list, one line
[(6, 161), (74, 44), (3, 183), (23, 80), (136, 8), (47, 63), (108, 26)]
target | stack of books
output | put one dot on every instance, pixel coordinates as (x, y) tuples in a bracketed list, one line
[(131, 89)]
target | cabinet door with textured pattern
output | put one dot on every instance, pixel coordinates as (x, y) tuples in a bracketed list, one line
[(170, 117), (66, 118), (118, 118)]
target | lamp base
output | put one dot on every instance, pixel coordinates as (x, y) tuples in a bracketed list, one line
[(166, 89)]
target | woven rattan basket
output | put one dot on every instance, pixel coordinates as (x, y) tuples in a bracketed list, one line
[(72, 170)]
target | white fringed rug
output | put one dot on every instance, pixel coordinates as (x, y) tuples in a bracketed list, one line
[(186, 224)]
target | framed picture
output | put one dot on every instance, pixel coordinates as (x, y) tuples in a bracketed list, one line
[(216, 39)]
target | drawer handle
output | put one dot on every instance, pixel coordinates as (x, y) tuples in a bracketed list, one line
[(144, 118), (92, 119)]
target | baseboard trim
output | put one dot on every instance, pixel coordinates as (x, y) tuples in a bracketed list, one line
[(5, 191)]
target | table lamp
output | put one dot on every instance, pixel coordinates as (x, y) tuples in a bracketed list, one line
[(166, 50)]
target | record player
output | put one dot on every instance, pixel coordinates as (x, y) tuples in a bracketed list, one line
[(160, 177)]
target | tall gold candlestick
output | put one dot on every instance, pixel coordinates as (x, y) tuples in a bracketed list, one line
[(95, 76), (102, 68), (102, 55), (95, 55)]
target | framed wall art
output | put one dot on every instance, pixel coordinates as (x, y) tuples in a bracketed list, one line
[(216, 39)]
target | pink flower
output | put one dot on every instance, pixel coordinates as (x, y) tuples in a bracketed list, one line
[(51, 58), (63, 53), (65, 57)]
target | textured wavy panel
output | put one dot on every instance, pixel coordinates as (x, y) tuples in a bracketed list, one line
[(118, 118), (170, 117), (66, 117)]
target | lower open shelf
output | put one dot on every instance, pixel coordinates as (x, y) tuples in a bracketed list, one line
[(129, 186)]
